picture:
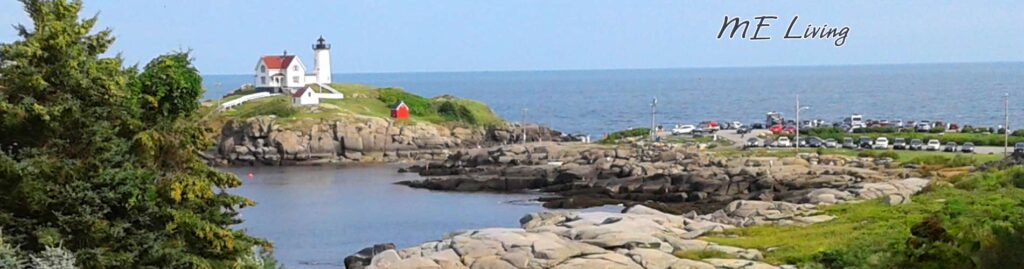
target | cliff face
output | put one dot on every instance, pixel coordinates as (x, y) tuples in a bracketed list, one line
[(262, 140)]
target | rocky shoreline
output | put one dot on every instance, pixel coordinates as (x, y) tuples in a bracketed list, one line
[(669, 177), (674, 195), (353, 138)]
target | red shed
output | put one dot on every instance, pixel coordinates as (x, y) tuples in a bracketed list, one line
[(401, 111)]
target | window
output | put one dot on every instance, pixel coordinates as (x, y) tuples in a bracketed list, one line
[(263, 68), (263, 80), (295, 68), (295, 79)]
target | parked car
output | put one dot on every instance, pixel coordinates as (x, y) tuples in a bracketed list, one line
[(757, 126), (923, 126), (848, 143), (831, 143), (967, 148), (815, 142), (752, 143), (743, 130), (683, 129), (1019, 148), (916, 144), (950, 147), (864, 143), (711, 126), (933, 145), (899, 143), (776, 129), (783, 142), (737, 125), (881, 143)]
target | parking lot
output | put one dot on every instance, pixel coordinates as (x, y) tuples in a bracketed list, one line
[(739, 140)]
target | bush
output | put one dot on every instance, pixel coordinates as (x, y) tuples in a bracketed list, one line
[(635, 132), (456, 112), (418, 106), (937, 130), (956, 161), (879, 154)]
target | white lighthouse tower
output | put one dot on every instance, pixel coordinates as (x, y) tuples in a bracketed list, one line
[(322, 61)]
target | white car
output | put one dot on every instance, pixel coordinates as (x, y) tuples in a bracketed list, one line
[(881, 143), (783, 142), (683, 129), (737, 125), (933, 145)]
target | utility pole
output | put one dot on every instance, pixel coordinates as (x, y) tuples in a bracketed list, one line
[(524, 125), (654, 110), (798, 109), (1006, 124), (797, 124)]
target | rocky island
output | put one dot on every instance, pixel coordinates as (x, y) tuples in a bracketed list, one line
[(273, 131)]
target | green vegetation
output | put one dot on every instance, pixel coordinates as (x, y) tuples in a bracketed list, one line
[(703, 254), (948, 159), (364, 100), (98, 163), (629, 133), (979, 139), (972, 221)]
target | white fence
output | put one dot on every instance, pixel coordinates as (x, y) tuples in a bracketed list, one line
[(243, 99)]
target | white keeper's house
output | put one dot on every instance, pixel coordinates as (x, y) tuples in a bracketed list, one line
[(287, 74)]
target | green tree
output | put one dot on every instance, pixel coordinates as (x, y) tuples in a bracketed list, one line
[(101, 160), (169, 86)]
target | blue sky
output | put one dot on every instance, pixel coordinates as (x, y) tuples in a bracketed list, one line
[(446, 35)]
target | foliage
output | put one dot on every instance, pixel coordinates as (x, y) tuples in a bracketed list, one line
[(979, 139), (703, 254), (280, 107), (976, 222), (616, 136), (879, 154), (455, 112), (418, 106), (10, 258), (958, 160), (53, 258), (169, 86), (90, 165)]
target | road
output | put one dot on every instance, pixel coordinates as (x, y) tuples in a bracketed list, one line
[(739, 140)]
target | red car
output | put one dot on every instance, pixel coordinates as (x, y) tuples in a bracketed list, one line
[(776, 129)]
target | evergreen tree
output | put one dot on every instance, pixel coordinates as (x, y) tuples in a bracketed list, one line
[(102, 160)]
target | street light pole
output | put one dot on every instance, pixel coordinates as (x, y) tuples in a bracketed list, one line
[(1006, 124), (524, 125), (797, 124), (654, 110), (798, 109)]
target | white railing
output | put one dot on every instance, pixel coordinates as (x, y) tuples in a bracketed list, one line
[(330, 96), (243, 99), (324, 86)]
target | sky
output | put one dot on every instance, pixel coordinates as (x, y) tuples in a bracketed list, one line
[(370, 36)]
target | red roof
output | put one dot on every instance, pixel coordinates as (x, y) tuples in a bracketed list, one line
[(277, 61), (299, 93)]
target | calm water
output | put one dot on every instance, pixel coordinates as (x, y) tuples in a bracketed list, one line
[(318, 215), (595, 102)]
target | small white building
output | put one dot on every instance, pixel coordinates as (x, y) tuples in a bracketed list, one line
[(305, 96)]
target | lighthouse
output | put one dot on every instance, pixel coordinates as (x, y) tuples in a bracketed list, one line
[(322, 61)]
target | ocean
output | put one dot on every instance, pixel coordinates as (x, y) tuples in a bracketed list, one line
[(595, 102)]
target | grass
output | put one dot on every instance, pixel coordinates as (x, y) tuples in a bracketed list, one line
[(979, 139), (976, 215), (702, 254), (904, 156), (628, 133), (365, 101)]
